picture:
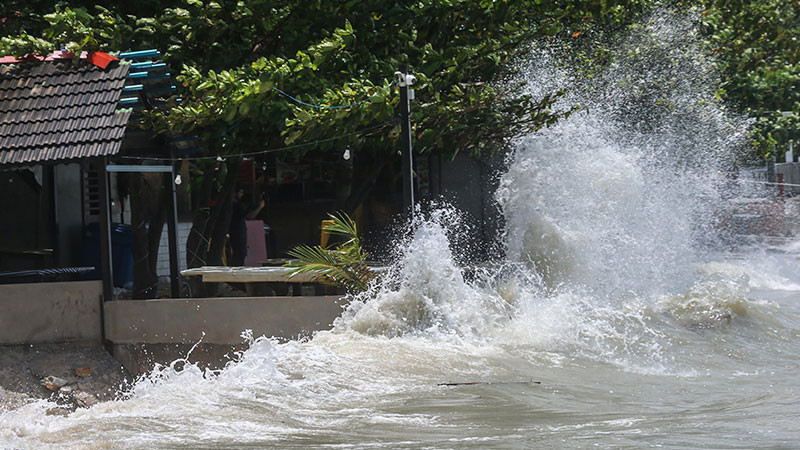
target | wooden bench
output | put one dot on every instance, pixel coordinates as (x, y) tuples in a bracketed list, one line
[(258, 281)]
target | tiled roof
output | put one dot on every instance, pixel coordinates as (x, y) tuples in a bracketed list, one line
[(56, 110)]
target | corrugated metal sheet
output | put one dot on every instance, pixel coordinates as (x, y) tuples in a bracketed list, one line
[(57, 110)]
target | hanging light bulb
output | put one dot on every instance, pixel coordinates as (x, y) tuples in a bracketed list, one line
[(178, 180), (346, 154)]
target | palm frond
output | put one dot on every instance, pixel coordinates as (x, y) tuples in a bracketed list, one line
[(344, 265), (343, 225), (315, 260), (307, 254)]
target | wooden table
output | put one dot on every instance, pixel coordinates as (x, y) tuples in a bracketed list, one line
[(257, 280)]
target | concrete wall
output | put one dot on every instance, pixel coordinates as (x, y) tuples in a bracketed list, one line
[(50, 312), (791, 175), (139, 359), (149, 332), (217, 320)]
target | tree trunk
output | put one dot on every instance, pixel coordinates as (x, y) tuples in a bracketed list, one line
[(221, 214), (206, 241), (157, 220), (196, 243)]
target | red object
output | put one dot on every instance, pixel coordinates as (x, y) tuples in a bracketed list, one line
[(62, 54), (247, 173), (99, 59)]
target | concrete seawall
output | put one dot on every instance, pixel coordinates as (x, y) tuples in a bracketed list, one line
[(39, 313), (146, 332)]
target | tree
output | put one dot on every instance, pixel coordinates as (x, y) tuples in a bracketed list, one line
[(756, 44), (234, 57), (457, 50)]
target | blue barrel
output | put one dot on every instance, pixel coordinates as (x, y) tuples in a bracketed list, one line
[(121, 252)]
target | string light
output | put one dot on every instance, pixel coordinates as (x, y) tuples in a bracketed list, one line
[(365, 132), (300, 102)]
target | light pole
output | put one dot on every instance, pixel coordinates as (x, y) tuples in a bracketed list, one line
[(790, 153), (404, 80)]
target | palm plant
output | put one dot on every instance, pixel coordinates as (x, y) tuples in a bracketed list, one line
[(342, 265)]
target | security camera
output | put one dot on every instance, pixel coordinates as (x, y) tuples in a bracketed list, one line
[(405, 79)]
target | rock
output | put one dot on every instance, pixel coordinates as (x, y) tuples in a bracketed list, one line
[(53, 383), (26, 369), (83, 371), (57, 412), (84, 399)]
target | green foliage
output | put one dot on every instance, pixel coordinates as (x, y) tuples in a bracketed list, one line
[(230, 55), (23, 44), (207, 168), (72, 29), (331, 54), (343, 265), (756, 43)]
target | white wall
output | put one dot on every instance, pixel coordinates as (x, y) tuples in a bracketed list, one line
[(162, 266)]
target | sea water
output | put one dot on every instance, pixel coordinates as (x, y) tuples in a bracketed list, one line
[(618, 317)]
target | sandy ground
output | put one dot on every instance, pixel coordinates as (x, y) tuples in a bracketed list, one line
[(73, 376)]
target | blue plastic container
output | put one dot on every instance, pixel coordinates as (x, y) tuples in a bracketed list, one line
[(121, 252)]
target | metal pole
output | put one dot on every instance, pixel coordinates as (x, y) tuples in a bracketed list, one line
[(407, 155), (172, 231), (105, 231)]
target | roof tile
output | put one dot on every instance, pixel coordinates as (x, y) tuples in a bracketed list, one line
[(57, 110)]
